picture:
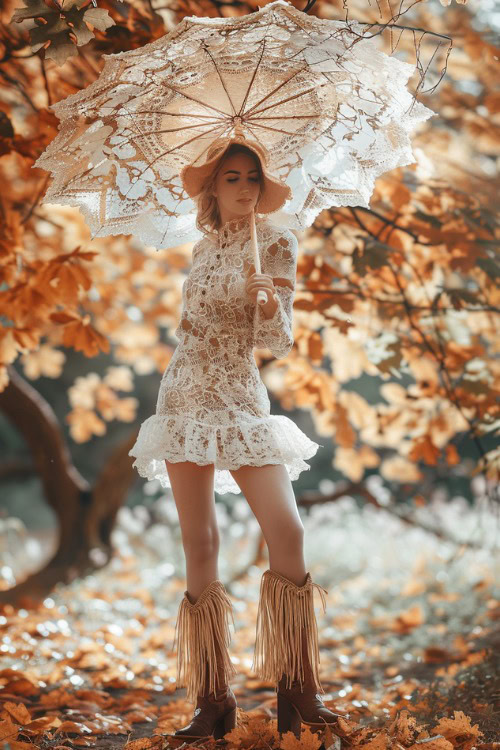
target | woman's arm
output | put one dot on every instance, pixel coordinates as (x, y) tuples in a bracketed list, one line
[(279, 260)]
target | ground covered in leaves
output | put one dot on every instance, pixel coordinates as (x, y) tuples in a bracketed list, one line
[(409, 641)]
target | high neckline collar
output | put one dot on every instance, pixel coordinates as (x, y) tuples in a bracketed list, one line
[(234, 225)]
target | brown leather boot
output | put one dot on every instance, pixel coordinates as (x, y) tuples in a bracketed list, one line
[(214, 715), (287, 653), (203, 662), (300, 702)]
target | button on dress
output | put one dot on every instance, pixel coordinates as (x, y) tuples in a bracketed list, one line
[(213, 407)]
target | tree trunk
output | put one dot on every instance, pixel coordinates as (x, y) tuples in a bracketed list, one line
[(86, 515)]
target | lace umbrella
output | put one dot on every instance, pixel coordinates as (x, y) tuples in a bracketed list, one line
[(332, 110)]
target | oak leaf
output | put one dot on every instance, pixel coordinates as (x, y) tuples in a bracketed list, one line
[(404, 727), (59, 28), (82, 336), (459, 729), (308, 740)]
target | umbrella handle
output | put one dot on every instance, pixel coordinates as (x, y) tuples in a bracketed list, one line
[(261, 295)]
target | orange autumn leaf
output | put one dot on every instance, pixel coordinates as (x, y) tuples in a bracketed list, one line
[(255, 726), (62, 317), (145, 743), (315, 347), (76, 254), (82, 336), (68, 281), (17, 711), (23, 301), (138, 716), (404, 728), (69, 275), (452, 457), (20, 686), (344, 433), (458, 727), (8, 730), (424, 450), (347, 726), (308, 740), (26, 338), (379, 742), (42, 724), (411, 618)]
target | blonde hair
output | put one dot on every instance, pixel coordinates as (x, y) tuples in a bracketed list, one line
[(208, 217)]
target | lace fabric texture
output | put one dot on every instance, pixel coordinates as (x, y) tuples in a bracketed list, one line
[(332, 110), (213, 407)]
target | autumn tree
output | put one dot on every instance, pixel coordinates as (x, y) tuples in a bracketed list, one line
[(404, 292)]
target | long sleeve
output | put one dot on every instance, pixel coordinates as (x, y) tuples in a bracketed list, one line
[(279, 260)]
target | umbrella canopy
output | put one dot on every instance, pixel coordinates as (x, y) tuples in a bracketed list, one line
[(332, 110)]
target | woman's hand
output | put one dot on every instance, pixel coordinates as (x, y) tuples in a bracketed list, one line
[(257, 281)]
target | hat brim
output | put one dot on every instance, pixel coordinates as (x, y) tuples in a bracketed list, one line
[(274, 192)]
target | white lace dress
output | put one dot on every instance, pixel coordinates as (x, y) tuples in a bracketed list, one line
[(213, 407)]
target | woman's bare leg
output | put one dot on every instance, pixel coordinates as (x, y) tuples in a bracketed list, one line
[(269, 493), (193, 490)]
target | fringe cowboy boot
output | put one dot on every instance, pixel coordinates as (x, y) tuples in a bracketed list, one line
[(203, 663), (287, 653)]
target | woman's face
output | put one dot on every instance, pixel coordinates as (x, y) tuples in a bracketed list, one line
[(238, 179)]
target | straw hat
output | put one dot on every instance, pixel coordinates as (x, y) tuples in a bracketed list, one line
[(274, 192)]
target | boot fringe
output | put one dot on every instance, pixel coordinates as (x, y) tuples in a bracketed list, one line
[(285, 610), (199, 627)]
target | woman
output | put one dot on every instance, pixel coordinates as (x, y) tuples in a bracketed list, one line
[(213, 421)]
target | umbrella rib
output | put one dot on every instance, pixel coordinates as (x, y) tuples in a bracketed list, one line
[(192, 98), (275, 130), (285, 117), (221, 80), (289, 99), (170, 114), (256, 137), (184, 127), (273, 91), (253, 77)]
